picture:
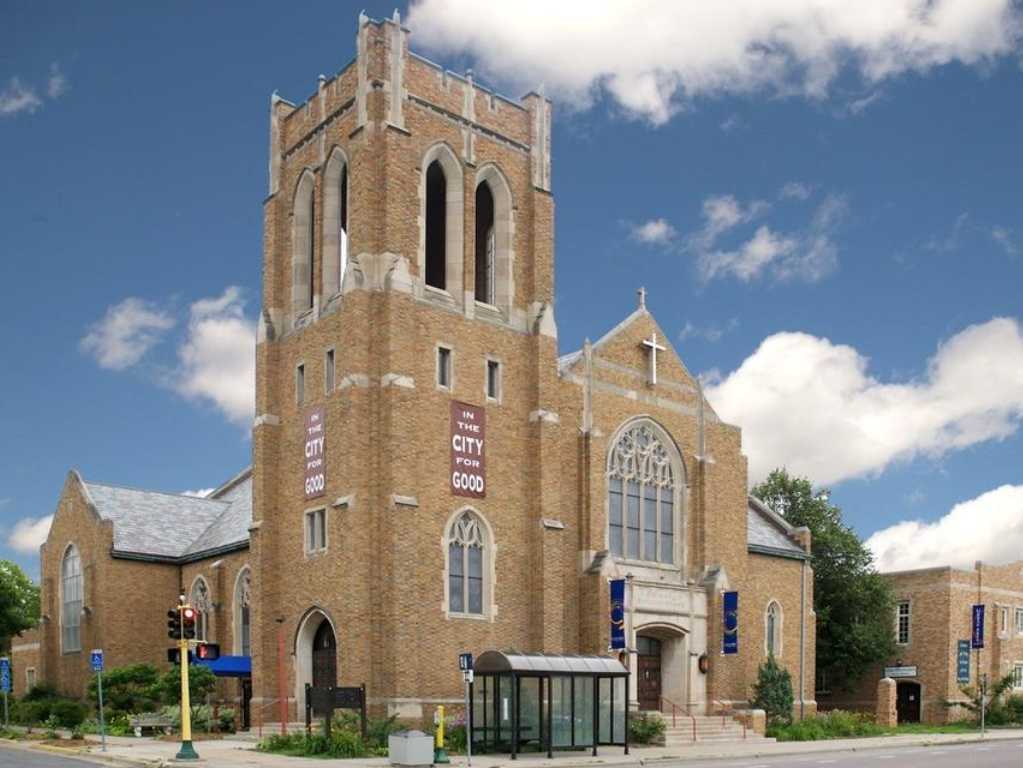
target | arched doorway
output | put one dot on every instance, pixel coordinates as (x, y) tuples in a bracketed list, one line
[(316, 647), (907, 702)]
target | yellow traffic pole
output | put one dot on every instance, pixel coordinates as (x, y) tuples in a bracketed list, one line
[(440, 755), (187, 751)]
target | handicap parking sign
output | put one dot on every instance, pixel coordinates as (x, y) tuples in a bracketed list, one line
[(5, 674), (96, 660)]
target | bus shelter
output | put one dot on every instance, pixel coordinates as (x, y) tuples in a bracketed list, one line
[(546, 702)]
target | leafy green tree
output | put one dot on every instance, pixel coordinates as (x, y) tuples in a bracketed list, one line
[(854, 604), (201, 682), (129, 690), (773, 692), (19, 603)]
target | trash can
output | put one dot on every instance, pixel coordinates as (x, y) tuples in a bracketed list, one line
[(410, 748)]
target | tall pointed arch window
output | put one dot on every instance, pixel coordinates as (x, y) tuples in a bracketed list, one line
[(467, 565), (335, 223), (303, 240), (486, 245), (200, 600), (772, 629), (642, 495), (242, 614), (436, 226), (71, 596)]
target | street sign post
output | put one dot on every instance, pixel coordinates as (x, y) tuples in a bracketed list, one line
[(96, 662), (5, 683), (465, 664)]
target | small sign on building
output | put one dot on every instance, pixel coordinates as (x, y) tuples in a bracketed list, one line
[(963, 662), (900, 672), (314, 453), (468, 450)]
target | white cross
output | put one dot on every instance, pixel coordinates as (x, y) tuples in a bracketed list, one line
[(653, 346)]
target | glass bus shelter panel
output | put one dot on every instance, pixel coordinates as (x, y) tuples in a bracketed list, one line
[(583, 716), (620, 702), (561, 711)]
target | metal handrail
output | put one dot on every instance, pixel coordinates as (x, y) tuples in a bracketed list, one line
[(674, 714)]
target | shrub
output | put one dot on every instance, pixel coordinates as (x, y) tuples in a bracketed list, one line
[(128, 689), (341, 743), (64, 712), (68, 713), (225, 720), (837, 724), (1014, 706), (41, 692), (644, 729), (773, 692)]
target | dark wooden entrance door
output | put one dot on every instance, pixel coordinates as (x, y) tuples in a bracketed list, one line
[(648, 672), (907, 703), (324, 656), (246, 683)]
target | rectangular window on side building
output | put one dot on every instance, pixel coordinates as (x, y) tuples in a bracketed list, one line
[(493, 380), (444, 367), (1017, 676), (300, 384), (1019, 621), (328, 372), (316, 530), (902, 627)]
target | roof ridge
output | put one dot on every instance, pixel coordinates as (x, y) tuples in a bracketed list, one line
[(149, 490)]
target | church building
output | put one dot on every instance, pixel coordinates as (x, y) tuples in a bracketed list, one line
[(430, 474)]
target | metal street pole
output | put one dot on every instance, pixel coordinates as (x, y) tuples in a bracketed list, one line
[(187, 751), (468, 733), (102, 724)]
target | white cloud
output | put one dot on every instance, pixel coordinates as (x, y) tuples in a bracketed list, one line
[(57, 85), (201, 493), (1003, 237), (808, 255), (988, 527), (858, 106), (654, 232), (810, 405), (710, 333), (29, 533), (16, 98), (218, 356), (127, 331), (796, 190), (652, 56)]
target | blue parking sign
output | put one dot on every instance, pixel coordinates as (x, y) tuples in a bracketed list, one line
[(96, 660), (5, 674)]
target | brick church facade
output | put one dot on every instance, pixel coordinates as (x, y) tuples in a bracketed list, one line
[(428, 475)]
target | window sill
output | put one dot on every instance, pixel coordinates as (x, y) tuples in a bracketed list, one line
[(646, 563), (469, 616), (438, 294), (313, 553)]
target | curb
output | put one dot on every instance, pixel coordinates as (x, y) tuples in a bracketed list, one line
[(93, 757)]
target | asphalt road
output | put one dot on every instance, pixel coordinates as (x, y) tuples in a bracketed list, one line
[(23, 758), (994, 754)]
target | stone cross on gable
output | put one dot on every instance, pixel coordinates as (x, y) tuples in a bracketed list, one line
[(653, 347)]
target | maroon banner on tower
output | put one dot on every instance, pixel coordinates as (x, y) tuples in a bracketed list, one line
[(314, 455), (468, 443)]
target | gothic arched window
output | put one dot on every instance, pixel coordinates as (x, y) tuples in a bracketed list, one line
[(468, 566), (200, 600), (441, 217), (772, 629), (242, 615), (303, 224), (71, 597), (642, 495), (335, 223), (436, 226), (486, 245)]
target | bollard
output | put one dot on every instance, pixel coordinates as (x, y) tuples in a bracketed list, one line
[(440, 755)]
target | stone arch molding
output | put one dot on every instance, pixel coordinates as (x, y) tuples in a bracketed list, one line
[(504, 234), (302, 242), (489, 563), (454, 220), (302, 651), (651, 464), (335, 258), (241, 597)]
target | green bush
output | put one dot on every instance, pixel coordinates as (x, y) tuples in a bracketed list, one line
[(68, 713), (63, 712), (644, 729), (41, 692), (837, 724), (1014, 706), (340, 744), (225, 718), (129, 689), (773, 692)]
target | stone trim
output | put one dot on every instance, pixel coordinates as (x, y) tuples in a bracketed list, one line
[(552, 525), (404, 501), (348, 502), (267, 419), (397, 380), (543, 415), (354, 380)]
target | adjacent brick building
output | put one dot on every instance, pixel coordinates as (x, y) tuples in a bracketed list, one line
[(933, 624), (428, 475)]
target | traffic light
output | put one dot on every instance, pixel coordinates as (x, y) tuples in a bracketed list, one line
[(188, 617), (174, 624), (207, 651)]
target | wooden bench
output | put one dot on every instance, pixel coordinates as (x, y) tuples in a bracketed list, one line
[(152, 721)]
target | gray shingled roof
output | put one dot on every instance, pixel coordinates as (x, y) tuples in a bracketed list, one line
[(170, 525), (768, 532)]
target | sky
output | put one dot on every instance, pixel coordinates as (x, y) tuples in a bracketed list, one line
[(822, 199)]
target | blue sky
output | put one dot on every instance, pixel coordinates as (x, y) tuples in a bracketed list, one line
[(830, 233)]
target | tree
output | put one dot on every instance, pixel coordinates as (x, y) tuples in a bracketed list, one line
[(201, 682), (19, 603), (773, 692), (129, 690), (855, 606)]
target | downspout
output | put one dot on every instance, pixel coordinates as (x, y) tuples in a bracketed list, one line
[(802, 639)]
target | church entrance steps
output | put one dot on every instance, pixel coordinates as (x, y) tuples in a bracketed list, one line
[(682, 730)]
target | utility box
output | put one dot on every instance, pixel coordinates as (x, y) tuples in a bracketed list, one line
[(410, 748)]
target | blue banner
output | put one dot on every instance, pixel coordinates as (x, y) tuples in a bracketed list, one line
[(977, 639), (730, 622), (617, 614), (963, 662)]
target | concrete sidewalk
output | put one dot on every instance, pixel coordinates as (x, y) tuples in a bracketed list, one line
[(125, 752)]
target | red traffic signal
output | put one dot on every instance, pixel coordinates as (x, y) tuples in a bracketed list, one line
[(188, 617), (174, 624), (207, 651)]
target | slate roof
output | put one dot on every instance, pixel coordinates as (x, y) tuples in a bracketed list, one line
[(769, 533), (171, 526)]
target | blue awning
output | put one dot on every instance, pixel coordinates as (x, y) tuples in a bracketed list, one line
[(228, 666)]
